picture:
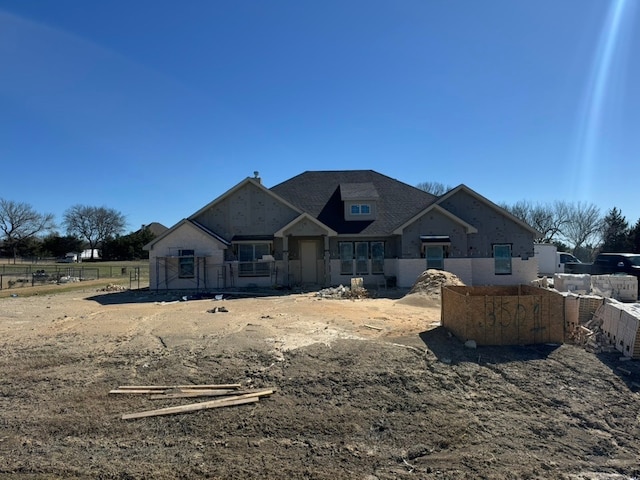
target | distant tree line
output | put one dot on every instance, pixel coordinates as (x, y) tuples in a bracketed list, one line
[(26, 233), (579, 228)]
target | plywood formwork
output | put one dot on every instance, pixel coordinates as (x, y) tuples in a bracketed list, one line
[(512, 315)]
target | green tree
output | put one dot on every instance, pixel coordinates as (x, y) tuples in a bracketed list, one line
[(128, 247), (19, 223), (634, 238), (615, 232), (94, 224), (561, 246), (56, 246)]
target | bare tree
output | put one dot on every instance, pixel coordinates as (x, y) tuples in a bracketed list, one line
[(548, 219), (434, 188), (584, 225), (19, 222), (94, 224)]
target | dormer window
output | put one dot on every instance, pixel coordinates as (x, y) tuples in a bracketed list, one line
[(359, 201)]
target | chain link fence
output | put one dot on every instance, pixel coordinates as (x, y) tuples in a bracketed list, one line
[(16, 276)]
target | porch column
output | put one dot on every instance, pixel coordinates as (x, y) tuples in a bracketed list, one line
[(327, 261), (285, 260)]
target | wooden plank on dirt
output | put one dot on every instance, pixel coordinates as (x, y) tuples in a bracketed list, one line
[(167, 387), (145, 391), (373, 327), (199, 393), (192, 407)]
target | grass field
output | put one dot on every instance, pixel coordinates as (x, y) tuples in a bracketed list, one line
[(43, 275)]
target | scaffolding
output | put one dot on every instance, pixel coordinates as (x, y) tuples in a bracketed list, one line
[(205, 275)]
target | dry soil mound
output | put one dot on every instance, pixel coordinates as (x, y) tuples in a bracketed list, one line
[(426, 289)]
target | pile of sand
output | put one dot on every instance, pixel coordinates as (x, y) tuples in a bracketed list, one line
[(426, 289)]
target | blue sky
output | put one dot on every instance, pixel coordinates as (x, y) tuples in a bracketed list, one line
[(156, 107)]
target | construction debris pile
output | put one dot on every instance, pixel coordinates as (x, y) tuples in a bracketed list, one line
[(592, 337), (603, 325), (342, 292), (230, 394), (68, 279), (431, 281)]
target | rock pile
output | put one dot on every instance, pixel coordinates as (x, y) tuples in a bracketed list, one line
[(112, 287)]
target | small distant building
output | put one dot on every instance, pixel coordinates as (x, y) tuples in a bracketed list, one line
[(155, 228), (86, 254)]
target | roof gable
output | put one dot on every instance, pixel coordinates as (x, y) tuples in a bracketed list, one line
[(464, 189), (437, 208), (186, 223), (320, 194), (307, 219), (238, 187)]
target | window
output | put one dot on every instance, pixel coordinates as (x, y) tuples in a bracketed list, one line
[(377, 257), (368, 256), (435, 257), (186, 264), (346, 258), (360, 209), (249, 256), (435, 248), (362, 258), (502, 259)]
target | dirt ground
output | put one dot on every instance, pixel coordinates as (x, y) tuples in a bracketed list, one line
[(367, 389)]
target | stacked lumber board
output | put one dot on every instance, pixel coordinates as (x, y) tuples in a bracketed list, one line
[(229, 395)]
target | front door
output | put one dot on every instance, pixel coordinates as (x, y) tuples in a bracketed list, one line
[(309, 261)]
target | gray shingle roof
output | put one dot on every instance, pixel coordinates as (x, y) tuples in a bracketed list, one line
[(358, 191), (319, 194)]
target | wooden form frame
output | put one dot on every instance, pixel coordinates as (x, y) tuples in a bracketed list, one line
[(498, 315)]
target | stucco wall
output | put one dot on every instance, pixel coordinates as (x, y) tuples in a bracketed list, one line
[(523, 271), (472, 271), (462, 267)]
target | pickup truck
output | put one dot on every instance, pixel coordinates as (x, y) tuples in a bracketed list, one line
[(608, 263)]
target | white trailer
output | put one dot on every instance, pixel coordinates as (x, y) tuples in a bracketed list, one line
[(550, 260)]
